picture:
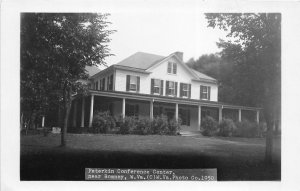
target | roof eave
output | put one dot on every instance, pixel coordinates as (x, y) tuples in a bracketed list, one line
[(101, 72), (127, 68), (206, 80)]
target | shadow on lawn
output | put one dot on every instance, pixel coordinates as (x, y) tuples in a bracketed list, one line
[(69, 164)]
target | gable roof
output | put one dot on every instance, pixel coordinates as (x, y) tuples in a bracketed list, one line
[(201, 75), (141, 60)]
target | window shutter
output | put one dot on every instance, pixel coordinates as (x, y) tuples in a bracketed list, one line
[(176, 89), (138, 84), (152, 86), (190, 90), (201, 92), (181, 90), (161, 87), (174, 68), (208, 93), (127, 82), (167, 86)]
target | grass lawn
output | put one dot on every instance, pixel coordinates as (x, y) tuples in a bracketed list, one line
[(235, 158)]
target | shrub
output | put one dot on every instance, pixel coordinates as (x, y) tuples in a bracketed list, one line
[(226, 128), (174, 127), (248, 129), (127, 125), (103, 122), (143, 127), (209, 126), (159, 125)]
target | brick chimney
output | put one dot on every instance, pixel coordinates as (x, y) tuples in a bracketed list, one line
[(179, 55)]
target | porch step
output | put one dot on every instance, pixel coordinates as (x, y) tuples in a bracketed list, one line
[(190, 133)]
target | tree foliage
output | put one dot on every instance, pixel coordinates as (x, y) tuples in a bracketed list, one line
[(208, 64), (55, 49), (253, 50)]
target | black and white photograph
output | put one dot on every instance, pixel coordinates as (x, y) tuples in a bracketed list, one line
[(141, 93)]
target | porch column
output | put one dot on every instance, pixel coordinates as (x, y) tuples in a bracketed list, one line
[(123, 108), (257, 116), (220, 114), (82, 112), (43, 121), (151, 110), (199, 117), (176, 112), (74, 113), (91, 111), (240, 115)]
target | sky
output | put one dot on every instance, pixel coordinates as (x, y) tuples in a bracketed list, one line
[(162, 32)]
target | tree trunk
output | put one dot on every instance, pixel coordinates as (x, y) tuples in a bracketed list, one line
[(67, 107), (269, 142)]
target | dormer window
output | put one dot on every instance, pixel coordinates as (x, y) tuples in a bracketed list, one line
[(172, 68)]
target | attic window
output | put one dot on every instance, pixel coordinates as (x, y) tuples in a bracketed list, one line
[(172, 68)]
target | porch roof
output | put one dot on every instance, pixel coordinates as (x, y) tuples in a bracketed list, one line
[(166, 99)]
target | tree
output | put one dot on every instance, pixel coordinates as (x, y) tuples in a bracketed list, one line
[(55, 49), (208, 64), (254, 49)]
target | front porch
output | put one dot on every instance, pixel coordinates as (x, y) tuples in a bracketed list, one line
[(189, 111)]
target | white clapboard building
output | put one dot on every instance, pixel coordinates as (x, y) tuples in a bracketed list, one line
[(147, 85)]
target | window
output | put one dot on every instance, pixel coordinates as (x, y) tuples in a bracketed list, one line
[(172, 68), (100, 85), (133, 83), (171, 88), (157, 111), (205, 92), (132, 110), (110, 82), (157, 86), (185, 90)]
